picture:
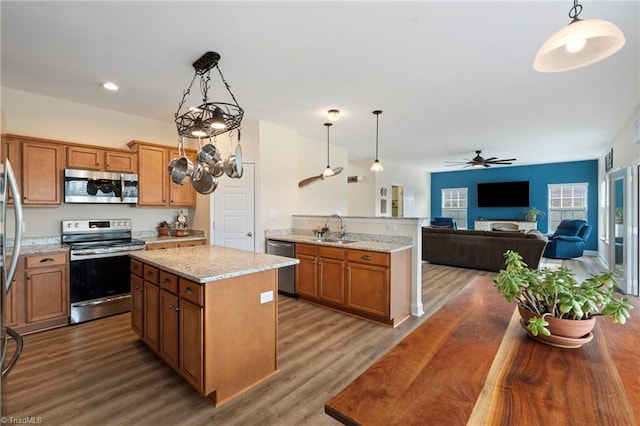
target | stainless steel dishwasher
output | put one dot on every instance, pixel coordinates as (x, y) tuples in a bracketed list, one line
[(286, 275)]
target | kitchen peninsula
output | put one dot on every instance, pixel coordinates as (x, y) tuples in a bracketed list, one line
[(210, 313)]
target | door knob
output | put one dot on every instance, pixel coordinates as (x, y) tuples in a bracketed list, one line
[(249, 234)]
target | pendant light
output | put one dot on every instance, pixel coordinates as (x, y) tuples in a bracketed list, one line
[(210, 118), (377, 166), (580, 43), (328, 172)]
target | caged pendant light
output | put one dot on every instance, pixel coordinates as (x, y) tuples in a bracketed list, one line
[(328, 172), (580, 43), (377, 166), (209, 118)]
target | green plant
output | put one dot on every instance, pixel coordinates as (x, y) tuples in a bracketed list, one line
[(531, 213), (557, 293), (165, 224)]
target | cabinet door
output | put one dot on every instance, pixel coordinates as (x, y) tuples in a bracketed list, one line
[(85, 158), (122, 162), (191, 341), (11, 152), (306, 275), (181, 195), (331, 280), (47, 293), (137, 305), (153, 177), (368, 289), (169, 323), (151, 315), (42, 165), (13, 311)]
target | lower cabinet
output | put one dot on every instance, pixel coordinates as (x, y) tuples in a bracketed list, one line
[(233, 351), (174, 244), (39, 295), (369, 284)]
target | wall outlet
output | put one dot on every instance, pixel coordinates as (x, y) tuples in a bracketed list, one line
[(265, 297)]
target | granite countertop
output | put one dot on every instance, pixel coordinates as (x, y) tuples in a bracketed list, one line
[(43, 248), (358, 245), (211, 263)]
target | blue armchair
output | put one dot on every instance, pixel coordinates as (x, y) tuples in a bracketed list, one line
[(569, 240), (444, 222)]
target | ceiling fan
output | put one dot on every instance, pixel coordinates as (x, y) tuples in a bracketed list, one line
[(479, 161)]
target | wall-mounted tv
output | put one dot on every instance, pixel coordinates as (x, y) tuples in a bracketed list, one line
[(503, 194)]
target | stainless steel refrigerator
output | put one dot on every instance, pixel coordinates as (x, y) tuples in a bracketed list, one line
[(8, 269)]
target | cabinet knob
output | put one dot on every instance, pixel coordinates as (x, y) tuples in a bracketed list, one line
[(170, 306), (177, 308)]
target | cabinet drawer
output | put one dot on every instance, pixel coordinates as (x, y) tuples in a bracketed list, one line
[(150, 274), (331, 252), (161, 246), (191, 243), (191, 291), (49, 259), (368, 257), (168, 282), (306, 249), (136, 267)]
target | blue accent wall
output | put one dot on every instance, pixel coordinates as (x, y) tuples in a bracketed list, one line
[(539, 176)]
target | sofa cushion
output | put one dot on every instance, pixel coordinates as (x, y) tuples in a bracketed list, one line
[(506, 234)]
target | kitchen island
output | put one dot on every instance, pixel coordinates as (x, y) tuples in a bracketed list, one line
[(210, 313)]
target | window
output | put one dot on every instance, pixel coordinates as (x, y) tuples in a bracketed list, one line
[(454, 205), (566, 201)]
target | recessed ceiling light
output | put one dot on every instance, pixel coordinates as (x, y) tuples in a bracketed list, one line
[(110, 86)]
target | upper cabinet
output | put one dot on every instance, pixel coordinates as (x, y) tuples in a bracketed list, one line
[(42, 167), (90, 158), (155, 187)]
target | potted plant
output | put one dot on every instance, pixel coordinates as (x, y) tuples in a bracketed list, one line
[(548, 299), (531, 214), (163, 228)]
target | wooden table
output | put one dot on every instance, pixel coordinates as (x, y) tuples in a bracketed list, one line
[(471, 363)]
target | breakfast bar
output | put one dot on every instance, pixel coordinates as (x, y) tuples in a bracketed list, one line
[(471, 363), (210, 313)]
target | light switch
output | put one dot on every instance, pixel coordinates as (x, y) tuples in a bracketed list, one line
[(265, 297)]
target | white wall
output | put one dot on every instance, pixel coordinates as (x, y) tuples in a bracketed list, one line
[(362, 195), (408, 177)]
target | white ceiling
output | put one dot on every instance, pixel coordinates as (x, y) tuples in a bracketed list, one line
[(451, 77)]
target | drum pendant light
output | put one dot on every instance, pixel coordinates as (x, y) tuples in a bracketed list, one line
[(328, 172), (377, 166), (580, 43)]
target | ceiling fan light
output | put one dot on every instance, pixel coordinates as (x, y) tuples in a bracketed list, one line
[(333, 114), (376, 166), (328, 172), (562, 52)]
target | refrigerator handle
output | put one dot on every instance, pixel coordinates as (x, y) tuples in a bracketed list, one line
[(17, 209), (16, 353)]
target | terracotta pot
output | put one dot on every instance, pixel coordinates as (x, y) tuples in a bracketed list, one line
[(163, 231), (562, 327)]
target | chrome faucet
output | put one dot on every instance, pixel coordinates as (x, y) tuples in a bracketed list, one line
[(326, 224)]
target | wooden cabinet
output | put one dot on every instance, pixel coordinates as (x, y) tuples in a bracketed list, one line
[(370, 284), (151, 295), (11, 152), (42, 168), (174, 244), (94, 158), (39, 297), (155, 187), (137, 304), (219, 336)]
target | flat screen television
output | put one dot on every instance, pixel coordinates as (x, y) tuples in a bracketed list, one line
[(503, 194)]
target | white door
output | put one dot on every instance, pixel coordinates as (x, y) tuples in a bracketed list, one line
[(234, 211)]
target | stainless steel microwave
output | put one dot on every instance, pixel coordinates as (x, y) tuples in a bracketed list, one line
[(86, 186)]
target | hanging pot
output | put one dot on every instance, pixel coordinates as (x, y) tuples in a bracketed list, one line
[(208, 154), (182, 170), (172, 164), (233, 164), (203, 182)]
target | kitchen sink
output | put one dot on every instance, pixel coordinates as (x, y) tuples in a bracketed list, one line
[(332, 240)]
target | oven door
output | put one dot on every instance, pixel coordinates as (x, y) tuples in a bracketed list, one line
[(99, 287)]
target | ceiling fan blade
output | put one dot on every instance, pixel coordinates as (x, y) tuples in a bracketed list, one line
[(490, 159), (309, 180), (337, 171)]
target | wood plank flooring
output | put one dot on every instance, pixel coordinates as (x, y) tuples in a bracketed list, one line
[(98, 373)]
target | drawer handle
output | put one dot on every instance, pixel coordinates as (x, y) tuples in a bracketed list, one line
[(188, 290), (149, 273), (46, 260), (366, 257), (166, 281)]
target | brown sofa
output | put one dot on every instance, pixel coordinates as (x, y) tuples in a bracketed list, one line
[(479, 249)]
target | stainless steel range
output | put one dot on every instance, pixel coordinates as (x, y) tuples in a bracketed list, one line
[(99, 266)]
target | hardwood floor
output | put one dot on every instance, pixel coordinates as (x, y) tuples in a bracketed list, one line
[(99, 373)]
